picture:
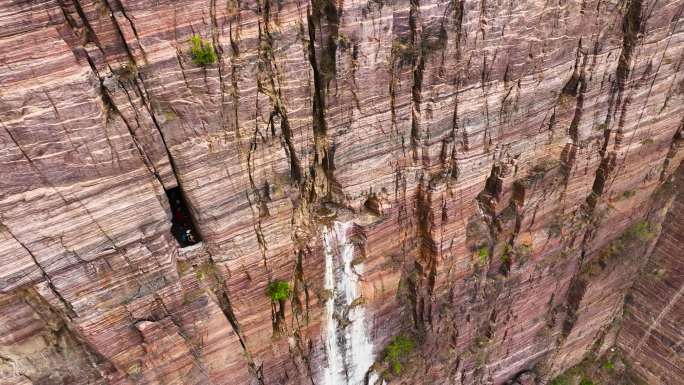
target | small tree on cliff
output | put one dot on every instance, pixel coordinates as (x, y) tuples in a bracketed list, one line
[(278, 290), (202, 52), (397, 351)]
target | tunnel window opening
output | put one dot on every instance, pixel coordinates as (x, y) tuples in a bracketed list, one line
[(182, 227)]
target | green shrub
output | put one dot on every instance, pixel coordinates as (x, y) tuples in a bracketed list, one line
[(643, 231), (505, 257), (628, 194), (483, 254), (397, 350), (608, 365), (278, 290), (561, 380), (586, 381), (202, 52)]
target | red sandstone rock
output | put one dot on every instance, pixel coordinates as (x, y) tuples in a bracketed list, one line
[(537, 132)]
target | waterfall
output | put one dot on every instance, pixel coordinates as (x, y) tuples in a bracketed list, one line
[(348, 347)]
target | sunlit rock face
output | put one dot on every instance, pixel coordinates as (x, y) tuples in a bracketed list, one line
[(478, 166)]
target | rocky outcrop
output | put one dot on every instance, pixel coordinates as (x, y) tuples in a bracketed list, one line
[(489, 155)]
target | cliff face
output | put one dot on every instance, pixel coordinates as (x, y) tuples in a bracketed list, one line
[(650, 333), (502, 170)]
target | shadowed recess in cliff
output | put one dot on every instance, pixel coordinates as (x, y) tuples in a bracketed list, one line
[(182, 227)]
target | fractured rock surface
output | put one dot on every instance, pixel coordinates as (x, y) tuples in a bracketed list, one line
[(491, 155)]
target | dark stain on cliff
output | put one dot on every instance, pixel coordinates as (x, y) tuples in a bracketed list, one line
[(631, 27)]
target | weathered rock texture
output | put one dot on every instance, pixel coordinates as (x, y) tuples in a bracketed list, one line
[(651, 333), (490, 154)]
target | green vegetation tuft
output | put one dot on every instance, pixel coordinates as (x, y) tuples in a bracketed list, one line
[(608, 365), (563, 379), (397, 350), (505, 257), (643, 231), (202, 51), (586, 381), (628, 194), (483, 254), (278, 290)]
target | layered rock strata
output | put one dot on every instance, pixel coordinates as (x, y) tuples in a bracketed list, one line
[(650, 334), (489, 155)]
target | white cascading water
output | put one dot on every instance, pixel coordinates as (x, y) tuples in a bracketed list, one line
[(349, 349)]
